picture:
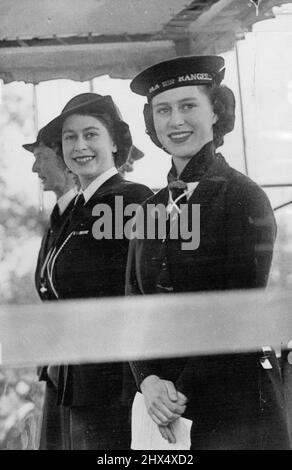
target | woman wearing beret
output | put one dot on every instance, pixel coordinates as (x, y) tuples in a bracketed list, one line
[(233, 401), (87, 407)]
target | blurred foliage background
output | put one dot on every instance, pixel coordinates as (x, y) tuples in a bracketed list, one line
[(21, 228)]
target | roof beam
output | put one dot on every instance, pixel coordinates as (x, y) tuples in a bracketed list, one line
[(119, 60)]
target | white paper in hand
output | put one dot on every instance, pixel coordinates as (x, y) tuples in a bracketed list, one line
[(146, 435)]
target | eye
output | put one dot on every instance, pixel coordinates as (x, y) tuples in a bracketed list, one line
[(187, 106), (163, 110), (68, 137), (90, 135)]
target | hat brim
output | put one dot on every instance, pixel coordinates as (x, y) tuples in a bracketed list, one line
[(101, 105), (30, 147), (164, 75), (136, 153)]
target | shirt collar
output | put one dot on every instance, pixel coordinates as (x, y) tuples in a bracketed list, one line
[(93, 187), (64, 201), (191, 188)]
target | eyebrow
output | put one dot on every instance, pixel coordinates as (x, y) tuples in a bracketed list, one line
[(183, 100), (83, 130)]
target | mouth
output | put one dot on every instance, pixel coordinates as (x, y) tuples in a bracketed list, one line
[(179, 137), (84, 159)]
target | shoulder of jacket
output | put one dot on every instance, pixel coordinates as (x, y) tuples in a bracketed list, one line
[(248, 195), (157, 197), (134, 185), (243, 184), (135, 192)]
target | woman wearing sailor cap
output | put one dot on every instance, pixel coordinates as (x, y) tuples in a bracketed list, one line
[(91, 409), (233, 401)]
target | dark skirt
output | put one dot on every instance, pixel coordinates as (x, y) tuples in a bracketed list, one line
[(83, 427)]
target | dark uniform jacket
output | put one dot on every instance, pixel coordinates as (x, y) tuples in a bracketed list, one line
[(233, 401), (82, 266), (51, 234)]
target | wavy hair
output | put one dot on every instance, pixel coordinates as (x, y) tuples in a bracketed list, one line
[(223, 101)]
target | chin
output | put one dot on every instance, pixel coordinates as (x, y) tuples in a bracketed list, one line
[(183, 155), (88, 174)]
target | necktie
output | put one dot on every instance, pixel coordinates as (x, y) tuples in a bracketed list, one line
[(79, 201), (177, 188), (77, 208), (78, 205), (55, 218)]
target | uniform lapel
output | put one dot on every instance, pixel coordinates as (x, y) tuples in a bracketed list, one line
[(48, 241), (75, 220), (67, 211), (147, 271), (108, 185), (209, 187), (215, 176), (62, 221), (52, 232)]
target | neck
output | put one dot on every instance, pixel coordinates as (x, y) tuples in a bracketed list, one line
[(61, 191), (85, 180), (192, 169), (180, 163)]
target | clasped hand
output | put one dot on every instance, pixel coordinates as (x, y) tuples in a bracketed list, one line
[(164, 403)]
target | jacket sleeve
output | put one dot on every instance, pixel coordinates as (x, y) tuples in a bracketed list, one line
[(132, 269), (131, 285)]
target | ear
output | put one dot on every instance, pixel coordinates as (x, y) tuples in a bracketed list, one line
[(150, 130), (215, 118), (115, 148)]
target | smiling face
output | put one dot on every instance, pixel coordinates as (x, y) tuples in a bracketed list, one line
[(50, 169), (87, 147), (183, 120)]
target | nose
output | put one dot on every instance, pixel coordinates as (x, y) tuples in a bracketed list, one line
[(176, 118), (80, 143), (35, 167)]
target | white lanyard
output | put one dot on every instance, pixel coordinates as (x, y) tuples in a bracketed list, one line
[(54, 255), (51, 262), (172, 208)]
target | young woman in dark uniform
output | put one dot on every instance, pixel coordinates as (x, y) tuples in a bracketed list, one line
[(93, 412), (233, 401)]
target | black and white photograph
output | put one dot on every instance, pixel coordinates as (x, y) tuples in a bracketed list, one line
[(145, 227)]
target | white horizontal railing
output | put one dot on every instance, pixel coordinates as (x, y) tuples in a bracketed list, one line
[(138, 327)]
